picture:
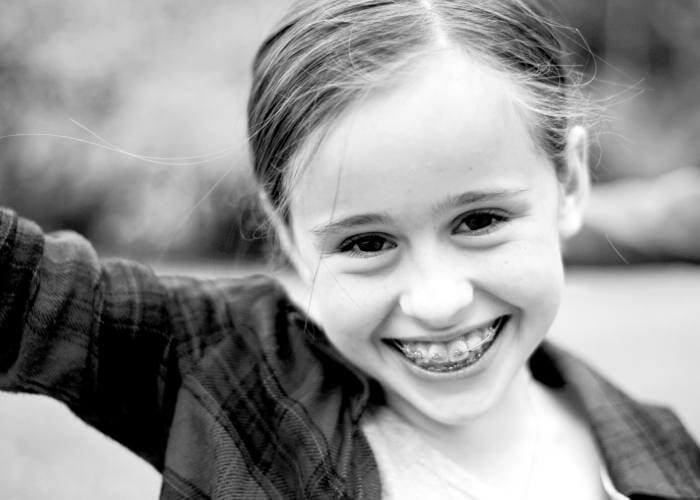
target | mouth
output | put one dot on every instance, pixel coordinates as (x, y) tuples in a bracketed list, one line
[(456, 354)]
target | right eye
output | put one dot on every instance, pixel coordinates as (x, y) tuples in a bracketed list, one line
[(366, 245)]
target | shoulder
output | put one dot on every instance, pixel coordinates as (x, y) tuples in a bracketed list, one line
[(257, 345), (646, 448), (235, 316), (248, 300)]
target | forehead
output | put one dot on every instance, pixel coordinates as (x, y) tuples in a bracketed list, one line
[(449, 125)]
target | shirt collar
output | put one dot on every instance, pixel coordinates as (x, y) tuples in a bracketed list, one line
[(646, 449)]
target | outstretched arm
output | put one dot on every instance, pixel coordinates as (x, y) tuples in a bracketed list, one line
[(95, 336)]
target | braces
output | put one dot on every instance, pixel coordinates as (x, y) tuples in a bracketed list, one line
[(474, 356), (489, 336)]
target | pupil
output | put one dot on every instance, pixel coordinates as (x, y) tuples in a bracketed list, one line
[(479, 221), (370, 245)]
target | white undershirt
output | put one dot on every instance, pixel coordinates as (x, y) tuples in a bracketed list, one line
[(410, 468)]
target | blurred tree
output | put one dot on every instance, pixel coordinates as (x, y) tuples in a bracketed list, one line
[(647, 69), (160, 88)]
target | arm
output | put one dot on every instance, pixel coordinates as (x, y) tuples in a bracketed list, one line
[(97, 337), (641, 220)]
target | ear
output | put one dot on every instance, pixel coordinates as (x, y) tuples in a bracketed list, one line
[(284, 236), (575, 183)]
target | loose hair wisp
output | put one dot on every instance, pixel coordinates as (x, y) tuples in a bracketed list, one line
[(326, 53)]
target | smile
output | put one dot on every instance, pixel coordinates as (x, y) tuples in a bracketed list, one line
[(456, 354)]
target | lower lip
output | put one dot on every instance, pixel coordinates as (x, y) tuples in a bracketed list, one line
[(467, 371)]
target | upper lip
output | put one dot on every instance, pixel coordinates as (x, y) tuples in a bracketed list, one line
[(451, 335)]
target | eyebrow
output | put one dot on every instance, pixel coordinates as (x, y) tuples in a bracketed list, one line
[(452, 201), (349, 222), (470, 197)]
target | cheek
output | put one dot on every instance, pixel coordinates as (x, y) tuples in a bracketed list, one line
[(350, 308), (531, 275)]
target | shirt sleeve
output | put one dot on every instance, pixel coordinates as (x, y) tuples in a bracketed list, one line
[(98, 336)]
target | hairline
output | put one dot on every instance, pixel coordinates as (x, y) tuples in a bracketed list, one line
[(389, 81)]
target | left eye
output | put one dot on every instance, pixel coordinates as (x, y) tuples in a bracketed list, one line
[(480, 222)]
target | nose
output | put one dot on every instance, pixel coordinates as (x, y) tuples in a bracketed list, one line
[(437, 294)]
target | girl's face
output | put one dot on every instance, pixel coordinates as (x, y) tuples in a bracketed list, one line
[(428, 226)]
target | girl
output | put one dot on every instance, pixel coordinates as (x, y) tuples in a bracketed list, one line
[(421, 162)]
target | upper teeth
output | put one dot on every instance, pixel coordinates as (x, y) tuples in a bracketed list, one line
[(451, 351)]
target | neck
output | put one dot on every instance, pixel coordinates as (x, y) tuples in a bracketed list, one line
[(489, 443)]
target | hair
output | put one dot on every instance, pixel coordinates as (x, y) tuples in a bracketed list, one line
[(327, 53)]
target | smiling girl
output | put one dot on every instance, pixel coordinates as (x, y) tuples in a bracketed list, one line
[(422, 164)]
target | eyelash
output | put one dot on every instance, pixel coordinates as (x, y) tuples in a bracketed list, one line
[(347, 246), (496, 218)]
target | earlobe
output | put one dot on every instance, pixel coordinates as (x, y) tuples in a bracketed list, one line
[(575, 183)]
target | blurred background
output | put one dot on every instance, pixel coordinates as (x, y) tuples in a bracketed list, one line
[(125, 121)]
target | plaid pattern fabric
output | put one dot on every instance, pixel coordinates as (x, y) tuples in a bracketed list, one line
[(648, 452), (228, 390)]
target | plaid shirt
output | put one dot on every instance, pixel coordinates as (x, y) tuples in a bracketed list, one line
[(227, 389)]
